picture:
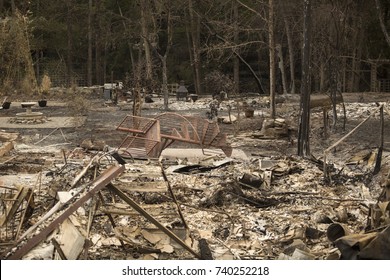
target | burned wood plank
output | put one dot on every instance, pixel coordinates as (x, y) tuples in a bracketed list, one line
[(71, 240), (96, 186), (27, 212), (18, 199)]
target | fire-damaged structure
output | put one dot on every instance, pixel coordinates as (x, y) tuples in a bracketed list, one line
[(148, 137)]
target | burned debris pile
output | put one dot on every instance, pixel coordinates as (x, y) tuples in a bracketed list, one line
[(87, 205), (165, 202)]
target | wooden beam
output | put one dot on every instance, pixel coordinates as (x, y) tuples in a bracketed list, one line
[(96, 186)]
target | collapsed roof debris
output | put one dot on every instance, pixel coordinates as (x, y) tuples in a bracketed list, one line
[(96, 201)]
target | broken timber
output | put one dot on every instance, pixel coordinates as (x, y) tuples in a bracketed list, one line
[(94, 188), (97, 185)]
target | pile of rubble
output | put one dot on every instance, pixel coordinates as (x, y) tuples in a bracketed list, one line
[(95, 202), (19, 120), (87, 204)]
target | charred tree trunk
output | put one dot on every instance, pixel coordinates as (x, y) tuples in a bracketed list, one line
[(322, 77), (165, 81), (195, 49), (236, 61), (145, 40), (281, 68), (357, 56), (333, 83), (89, 61), (292, 62), (69, 56), (13, 7), (98, 46), (381, 21), (271, 41), (304, 122), (137, 92), (98, 65), (165, 44), (290, 51), (129, 44)]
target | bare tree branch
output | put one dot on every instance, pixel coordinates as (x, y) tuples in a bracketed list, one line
[(382, 23), (258, 81), (252, 10)]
